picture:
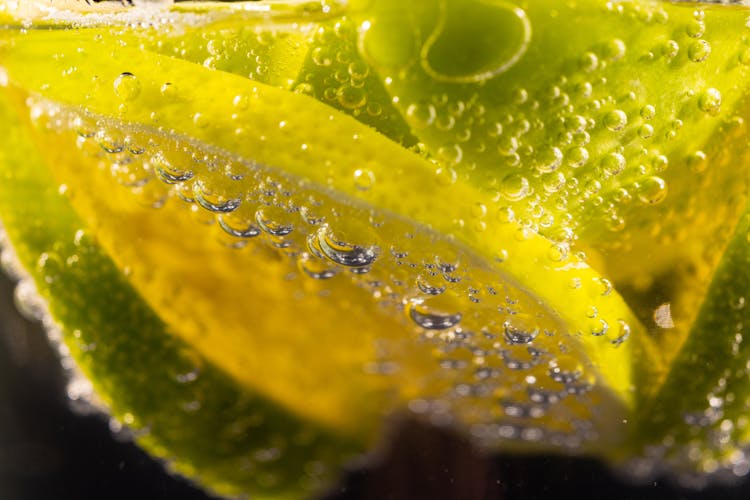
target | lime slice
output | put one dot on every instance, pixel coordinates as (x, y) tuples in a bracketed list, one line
[(275, 232), (296, 252), (605, 136)]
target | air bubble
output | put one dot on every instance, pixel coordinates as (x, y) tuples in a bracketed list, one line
[(431, 320), (710, 101), (599, 328), (737, 303), (615, 50), (648, 112), (237, 228), (351, 97), (652, 190), (515, 187), (168, 172), (519, 335), (446, 176), (450, 154), (322, 56), (358, 70), (699, 51), (364, 178), (659, 163), (589, 62), (427, 286), (345, 254), (213, 202), (616, 120), (108, 143), (695, 28), (241, 102), (521, 357), (127, 86), (272, 225), (565, 371), (623, 333), (315, 267), (421, 115), (577, 157), (549, 160), (613, 164)]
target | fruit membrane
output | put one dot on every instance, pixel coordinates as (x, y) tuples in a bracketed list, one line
[(258, 231)]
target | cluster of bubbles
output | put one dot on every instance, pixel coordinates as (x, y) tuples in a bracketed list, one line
[(567, 156), (336, 74), (505, 367), (586, 158)]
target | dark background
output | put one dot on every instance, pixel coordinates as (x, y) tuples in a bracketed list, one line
[(47, 451)]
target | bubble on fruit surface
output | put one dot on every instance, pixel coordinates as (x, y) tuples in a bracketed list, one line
[(615, 49), (272, 221), (646, 131), (549, 159), (710, 101), (652, 190), (670, 49), (237, 227), (213, 201), (430, 319), (127, 86), (699, 50), (168, 90), (697, 161), (167, 171), (578, 157), (430, 285), (616, 120), (648, 112), (316, 267), (344, 253), (519, 331), (364, 179), (421, 115), (613, 163), (351, 97), (515, 187)]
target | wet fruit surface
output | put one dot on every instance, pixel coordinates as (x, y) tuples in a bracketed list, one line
[(269, 226)]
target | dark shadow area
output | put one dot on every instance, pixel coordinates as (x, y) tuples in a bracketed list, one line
[(48, 451)]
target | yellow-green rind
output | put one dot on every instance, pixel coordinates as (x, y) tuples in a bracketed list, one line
[(292, 132), (181, 407), (699, 414)]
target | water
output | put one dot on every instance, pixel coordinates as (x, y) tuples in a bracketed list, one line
[(544, 139)]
